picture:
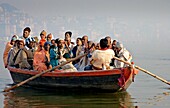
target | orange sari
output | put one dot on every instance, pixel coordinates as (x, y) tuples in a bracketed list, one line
[(39, 61)]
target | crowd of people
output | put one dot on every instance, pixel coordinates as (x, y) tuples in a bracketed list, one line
[(28, 52)]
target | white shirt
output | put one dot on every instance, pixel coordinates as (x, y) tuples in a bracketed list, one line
[(104, 57)]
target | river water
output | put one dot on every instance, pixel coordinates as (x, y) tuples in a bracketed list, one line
[(145, 92)]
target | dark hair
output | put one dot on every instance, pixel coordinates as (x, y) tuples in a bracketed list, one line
[(57, 40), (27, 29), (69, 32), (103, 43), (79, 38)]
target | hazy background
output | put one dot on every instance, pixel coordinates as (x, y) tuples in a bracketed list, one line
[(141, 23)]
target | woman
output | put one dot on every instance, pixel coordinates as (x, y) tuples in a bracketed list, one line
[(8, 46), (41, 61)]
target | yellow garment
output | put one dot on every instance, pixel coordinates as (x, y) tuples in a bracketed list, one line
[(104, 57), (39, 61), (6, 51)]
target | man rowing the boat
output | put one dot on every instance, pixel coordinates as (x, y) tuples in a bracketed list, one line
[(123, 54)]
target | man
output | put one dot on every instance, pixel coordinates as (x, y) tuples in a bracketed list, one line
[(26, 33), (101, 58), (123, 54), (43, 37), (20, 59), (68, 67), (68, 45), (49, 37), (29, 49), (109, 41), (85, 42)]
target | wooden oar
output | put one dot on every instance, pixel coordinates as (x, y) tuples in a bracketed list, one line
[(145, 71), (37, 75)]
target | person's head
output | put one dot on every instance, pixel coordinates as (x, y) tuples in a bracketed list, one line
[(26, 32), (68, 35), (90, 44), (119, 46), (79, 42), (97, 46), (13, 39), (109, 41), (84, 39), (49, 37), (60, 43), (47, 46), (53, 42), (43, 34), (30, 42), (21, 43), (103, 43), (114, 42)]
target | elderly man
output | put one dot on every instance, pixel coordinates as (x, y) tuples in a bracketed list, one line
[(123, 54), (20, 59)]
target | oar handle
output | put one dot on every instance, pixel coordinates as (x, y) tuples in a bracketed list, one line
[(143, 70), (153, 75), (37, 75)]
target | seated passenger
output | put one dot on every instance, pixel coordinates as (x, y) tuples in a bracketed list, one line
[(47, 54), (41, 62), (68, 45), (49, 37), (43, 37), (29, 49), (123, 54), (20, 59), (77, 50), (61, 51), (101, 58), (8, 47), (54, 55)]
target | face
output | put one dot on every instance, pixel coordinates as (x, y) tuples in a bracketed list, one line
[(42, 36), (98, 46), (118, 49), (21, 45), (49, 38), (47, 48), (67, 36), (26, 34), (61, 44), (31, 45), (79, 42), (84, 39), (53, 42), (12, 42)]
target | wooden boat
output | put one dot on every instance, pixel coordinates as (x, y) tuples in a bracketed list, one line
[(113, 80)]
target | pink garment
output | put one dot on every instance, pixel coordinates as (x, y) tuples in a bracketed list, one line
[(39, 61), (6, 51)]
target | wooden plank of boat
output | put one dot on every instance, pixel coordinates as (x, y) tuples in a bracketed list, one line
[(112, 80)]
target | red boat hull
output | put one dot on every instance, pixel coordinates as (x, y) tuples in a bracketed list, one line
[(111, 80)]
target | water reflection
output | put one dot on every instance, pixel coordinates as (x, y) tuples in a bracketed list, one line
[(26, 97)]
